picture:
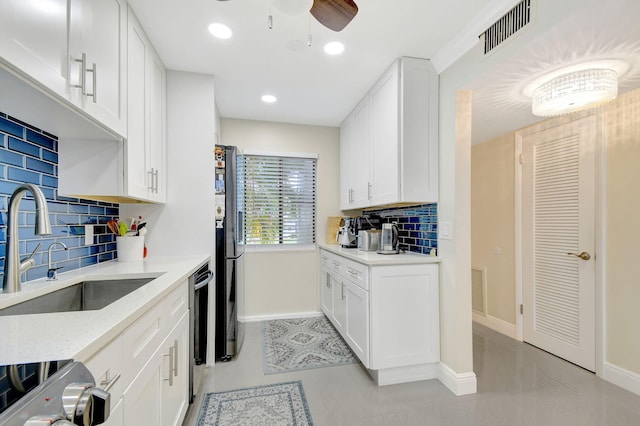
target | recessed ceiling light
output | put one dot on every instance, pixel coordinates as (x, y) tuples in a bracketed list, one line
[(269, 99), (220, 30), (334, 48)]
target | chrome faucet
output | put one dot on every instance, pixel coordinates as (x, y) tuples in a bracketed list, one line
[(52, 273), (13, 266)]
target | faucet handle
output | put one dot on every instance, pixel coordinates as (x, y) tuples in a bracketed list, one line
[(29, 262), (52, 273)]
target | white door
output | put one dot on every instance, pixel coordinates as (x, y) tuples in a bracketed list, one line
[(558, 225)]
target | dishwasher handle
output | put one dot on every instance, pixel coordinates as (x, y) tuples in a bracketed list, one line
[(204, 282)]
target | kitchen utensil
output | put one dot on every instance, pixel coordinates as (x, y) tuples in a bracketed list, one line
[(113, 226), (123, 229)]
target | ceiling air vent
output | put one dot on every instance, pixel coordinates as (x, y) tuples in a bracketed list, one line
[(508, 25)]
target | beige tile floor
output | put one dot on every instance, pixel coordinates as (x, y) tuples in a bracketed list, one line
[(517, 385)]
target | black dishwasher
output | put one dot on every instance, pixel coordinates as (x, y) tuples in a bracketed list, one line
[(198, 312)]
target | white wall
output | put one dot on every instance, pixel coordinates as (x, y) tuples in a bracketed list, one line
[(284, 283), (455, 164), (184, 225)]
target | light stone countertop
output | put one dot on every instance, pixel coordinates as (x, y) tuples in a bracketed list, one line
[(78, 335), (372, 258)]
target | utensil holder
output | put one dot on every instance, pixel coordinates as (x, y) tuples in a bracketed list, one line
[(130, 248)]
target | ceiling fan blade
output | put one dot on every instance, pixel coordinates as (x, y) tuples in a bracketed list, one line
[(334, 14)]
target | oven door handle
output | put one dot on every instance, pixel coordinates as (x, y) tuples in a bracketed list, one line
[(204, 282)]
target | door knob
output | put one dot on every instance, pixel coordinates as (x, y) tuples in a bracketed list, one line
[(584, 255)]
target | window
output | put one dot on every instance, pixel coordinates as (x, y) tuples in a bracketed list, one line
[(279, 199)]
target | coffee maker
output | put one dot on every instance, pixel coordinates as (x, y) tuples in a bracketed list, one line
[(347, 235)]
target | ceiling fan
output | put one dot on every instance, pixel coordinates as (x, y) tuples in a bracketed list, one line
[(333, 14)]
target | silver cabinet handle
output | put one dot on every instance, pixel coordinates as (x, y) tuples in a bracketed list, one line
[(583, 255), (369, 190), (175, 358), (352, 272), (150, 173), (83, 76), (328, 282), (342, 290), (156, 180), (94, 73), (107, 383), (170, 355)]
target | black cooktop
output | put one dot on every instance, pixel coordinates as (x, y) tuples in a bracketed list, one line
[(17, 380)]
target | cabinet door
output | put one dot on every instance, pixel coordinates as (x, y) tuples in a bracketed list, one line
[(339, 313), (142, 399), (347, 162), (34, 39), (137, 161), (405, 320), (385, 139), (156, 85), (325, 292), (362, 161), (98, 30), (175, 379), (356, 331)]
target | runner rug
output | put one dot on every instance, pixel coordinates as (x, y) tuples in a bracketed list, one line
[(282, 404), (301, 344)]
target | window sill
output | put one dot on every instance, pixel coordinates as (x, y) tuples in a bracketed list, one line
[(276, 248)]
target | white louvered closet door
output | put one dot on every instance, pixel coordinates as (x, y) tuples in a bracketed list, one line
[(558, 219)]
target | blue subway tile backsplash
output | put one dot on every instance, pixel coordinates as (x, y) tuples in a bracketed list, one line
[(28, 154), (417, 226)]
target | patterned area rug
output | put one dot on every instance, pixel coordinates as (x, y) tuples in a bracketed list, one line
[(281, 404), (301, 344)]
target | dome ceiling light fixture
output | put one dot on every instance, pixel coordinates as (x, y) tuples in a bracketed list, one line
[(575, 91), (576, 87)]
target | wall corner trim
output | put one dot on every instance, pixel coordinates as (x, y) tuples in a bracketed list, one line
[(458, 383), (622, 377)]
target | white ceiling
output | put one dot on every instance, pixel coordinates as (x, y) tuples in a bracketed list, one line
[(313, 88)]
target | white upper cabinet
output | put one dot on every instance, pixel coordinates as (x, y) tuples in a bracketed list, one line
[(355, 138), (395, 139), (34, 40), (135, 170), (72, 48), (97, 67), (145, 145)]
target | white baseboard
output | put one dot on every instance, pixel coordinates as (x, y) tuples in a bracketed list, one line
[(411, 373), (624, 378), (458, 383), (496, 324), (258, 318)]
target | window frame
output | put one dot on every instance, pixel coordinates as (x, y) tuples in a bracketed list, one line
[(281, 246)]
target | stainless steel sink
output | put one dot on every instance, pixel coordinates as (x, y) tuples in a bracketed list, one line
[(83, 296)]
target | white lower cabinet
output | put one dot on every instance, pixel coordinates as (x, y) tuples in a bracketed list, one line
[(387, 314), (356, 330), (146, 368), (158, 395)]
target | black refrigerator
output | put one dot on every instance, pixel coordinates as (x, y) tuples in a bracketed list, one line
[(229, 286)]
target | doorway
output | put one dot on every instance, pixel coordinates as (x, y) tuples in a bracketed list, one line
[(557, 225)]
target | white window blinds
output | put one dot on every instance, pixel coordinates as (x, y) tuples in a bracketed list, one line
[(279, 200)]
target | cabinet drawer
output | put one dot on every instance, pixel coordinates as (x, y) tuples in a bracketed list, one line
[(107, 367), (357, 273), (142, 339), (176, 304)]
